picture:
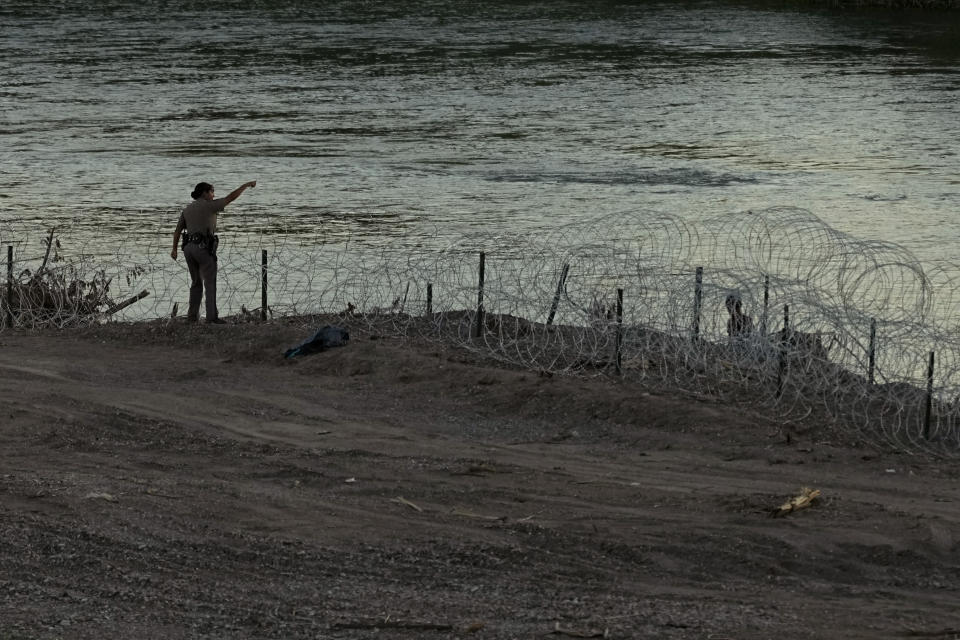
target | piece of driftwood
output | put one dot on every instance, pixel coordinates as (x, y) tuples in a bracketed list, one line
[(100, 496), (46, 256), (126, 303), (405, 502), (803, 500)]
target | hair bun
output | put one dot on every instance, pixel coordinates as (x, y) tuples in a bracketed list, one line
[(200, 189)]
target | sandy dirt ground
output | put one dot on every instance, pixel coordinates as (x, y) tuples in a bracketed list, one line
[(173, 481)]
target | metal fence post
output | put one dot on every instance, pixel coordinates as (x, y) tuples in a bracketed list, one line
[(929, 411), (263, 285), (766, 304), (619, 331), (479, 328), (782, 364), (697, 302), (10, 285)]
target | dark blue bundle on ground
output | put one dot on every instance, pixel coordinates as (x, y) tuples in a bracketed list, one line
[(322, 340)]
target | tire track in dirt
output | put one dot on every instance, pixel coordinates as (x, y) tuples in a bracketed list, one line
[(283, 498)]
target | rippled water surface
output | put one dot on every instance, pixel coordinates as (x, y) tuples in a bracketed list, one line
[(421, 122)]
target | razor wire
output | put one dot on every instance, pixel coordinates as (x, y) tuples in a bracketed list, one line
[(842, 332)]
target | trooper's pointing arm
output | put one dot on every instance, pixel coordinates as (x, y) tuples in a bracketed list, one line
[(236, 192)]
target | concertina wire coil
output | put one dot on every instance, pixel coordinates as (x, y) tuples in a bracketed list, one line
[(862, 316)]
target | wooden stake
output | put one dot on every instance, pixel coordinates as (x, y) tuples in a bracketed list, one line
[(556, 296), (46, 256), (404, 302)]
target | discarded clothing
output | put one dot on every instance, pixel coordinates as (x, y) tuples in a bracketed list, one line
[(322, 340)]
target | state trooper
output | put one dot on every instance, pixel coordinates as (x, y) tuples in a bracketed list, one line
[(198, 227)]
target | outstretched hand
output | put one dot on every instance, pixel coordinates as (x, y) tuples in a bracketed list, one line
[(173, 254), (236, 192)]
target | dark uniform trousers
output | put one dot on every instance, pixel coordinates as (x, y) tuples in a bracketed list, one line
[(203, 276)]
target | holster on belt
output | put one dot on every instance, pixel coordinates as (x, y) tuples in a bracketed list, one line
[(208, 241)]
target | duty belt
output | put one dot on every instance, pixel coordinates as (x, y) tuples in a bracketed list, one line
[(199, 238)]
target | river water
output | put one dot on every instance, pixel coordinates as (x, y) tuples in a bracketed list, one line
[(419, 122)]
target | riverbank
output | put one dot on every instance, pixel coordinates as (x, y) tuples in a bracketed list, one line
[(182, 481)]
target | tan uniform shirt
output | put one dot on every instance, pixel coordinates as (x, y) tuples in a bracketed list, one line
[(200, 216)]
